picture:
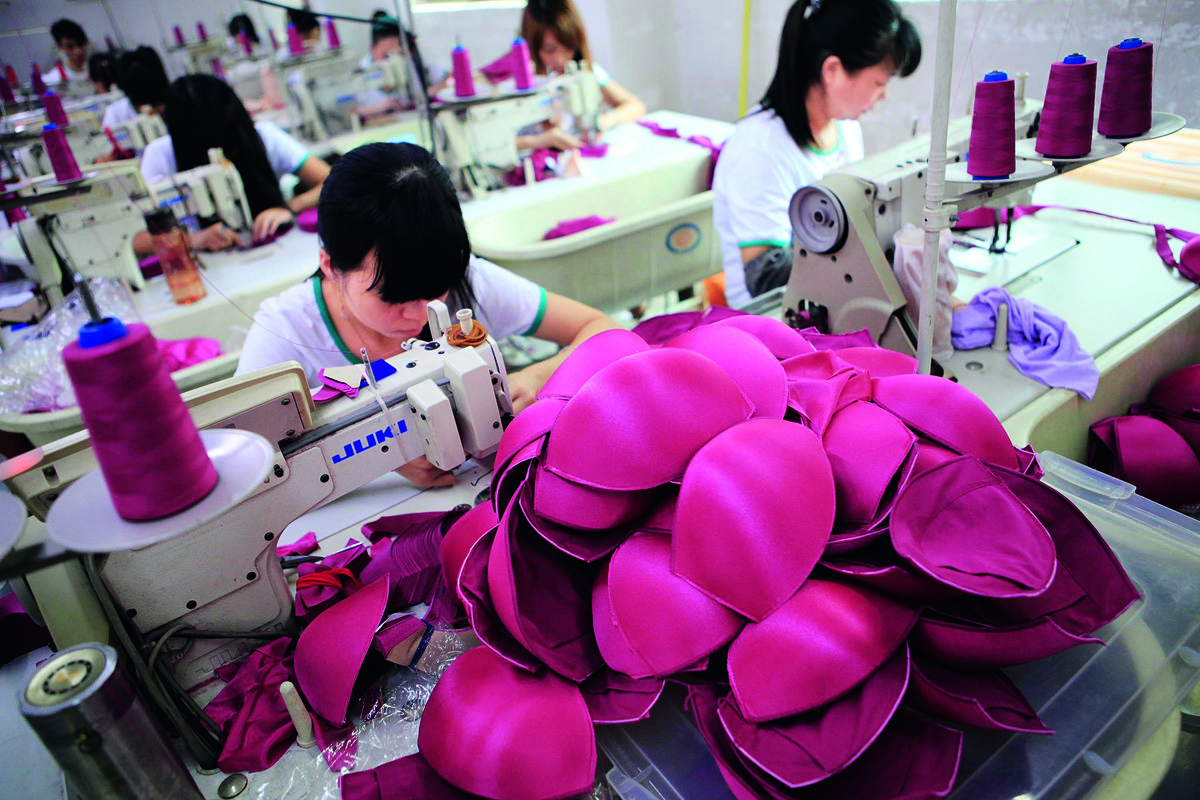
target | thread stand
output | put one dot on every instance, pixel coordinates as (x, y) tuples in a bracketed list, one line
[(1101, 148), (1162, 123)]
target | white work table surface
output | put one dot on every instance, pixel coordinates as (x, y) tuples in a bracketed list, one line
[(1105, 288)]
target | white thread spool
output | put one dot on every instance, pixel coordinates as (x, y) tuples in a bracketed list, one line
[(299, 714), (466, 321)]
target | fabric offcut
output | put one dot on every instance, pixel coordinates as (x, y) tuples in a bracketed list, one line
[(1040, 345), (572, 226)]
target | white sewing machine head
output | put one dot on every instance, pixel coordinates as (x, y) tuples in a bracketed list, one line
[(139, 131), (481, 132), (443, 402), (21, 135), (210, 193), (843, 229), (322, 92)]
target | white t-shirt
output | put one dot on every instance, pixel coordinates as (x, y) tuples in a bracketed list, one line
[(53, 78), (285, 154), (118, 112), (760, 168), (296, 326)]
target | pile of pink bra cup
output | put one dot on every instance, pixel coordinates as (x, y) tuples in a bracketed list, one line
[(836, 555)]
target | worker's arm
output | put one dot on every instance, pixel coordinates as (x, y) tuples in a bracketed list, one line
[(568, 323), (312, 174), (626, 107), (213, 238)]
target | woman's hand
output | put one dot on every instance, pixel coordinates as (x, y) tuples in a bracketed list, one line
[(213, 238), (421, 472), (268, 221), (523, 387), (554, 138)]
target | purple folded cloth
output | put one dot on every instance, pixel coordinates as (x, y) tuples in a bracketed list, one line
[(1040, 345), (593, 150), (573, 226), (303, 546)]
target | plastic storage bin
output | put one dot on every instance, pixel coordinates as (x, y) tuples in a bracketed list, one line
[(1103, 702), (662, 239)]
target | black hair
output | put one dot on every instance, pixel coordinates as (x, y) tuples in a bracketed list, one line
[(241, 23), (142, 78), (102, 69), (861, 33), (203, 112), (305, 21), (383, 26), (398, 201), (68, 29)]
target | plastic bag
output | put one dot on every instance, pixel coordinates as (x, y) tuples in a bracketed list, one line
[(910, 256)]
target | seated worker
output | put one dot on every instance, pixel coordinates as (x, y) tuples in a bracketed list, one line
[(102, 72), (835, 60), (238, 24), (202, 112), (73, 44), (386, 42), (393, 238), (141, 76), (556, 36), (307, 25)]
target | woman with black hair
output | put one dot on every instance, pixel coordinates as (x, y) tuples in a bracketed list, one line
[(202, 112), (392, 239), (241, 23), (102, 72), (835, 60)]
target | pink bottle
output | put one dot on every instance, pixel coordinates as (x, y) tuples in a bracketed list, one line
[(522, 66), (331, 34), (179, 36), (52, 103), (464, 79), (203, 34), (59, 152)]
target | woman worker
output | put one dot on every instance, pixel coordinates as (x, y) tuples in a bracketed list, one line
[(202, 112), (392, 239), (835, 60), (556, 36)]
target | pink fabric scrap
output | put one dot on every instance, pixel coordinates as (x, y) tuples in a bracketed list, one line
[(572, 226)]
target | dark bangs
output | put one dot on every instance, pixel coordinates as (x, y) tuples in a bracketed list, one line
[(397, 200)]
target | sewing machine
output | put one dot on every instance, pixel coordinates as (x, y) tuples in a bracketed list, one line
[(86, 226), (322, 92), (481, 132), (21, 137), (443, 402), (139, 131), (209, 193)]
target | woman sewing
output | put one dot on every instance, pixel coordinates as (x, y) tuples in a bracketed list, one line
[(392, 239), (556, 36), (202, 112), (836, 58)]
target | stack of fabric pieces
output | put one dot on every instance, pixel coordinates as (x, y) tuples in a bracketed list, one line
[(835, 555), (1156, 447)]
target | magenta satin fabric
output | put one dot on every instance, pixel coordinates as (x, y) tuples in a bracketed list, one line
[(879, 361), (615, 648), (1179, 392), (983, 699), (959, 524), (948, 414), (408, 778), (331, 650), (303, 546), (529, 426), (585, 361), (585, 507), (1150, 455), (838, 341), (868, 449), (667, 622), (572, 226), (542, 597), (751, 364), (183, 353), (755, 512), (832, 635), (820, 384), (312, 600), (785, 342), (307, 220), (879, 568), (476, 597), (614, 699), (667, 402), (502, 733), (657, 330), (587, 546), (809, 747), (968, 645), (461, 537), (406, 550)]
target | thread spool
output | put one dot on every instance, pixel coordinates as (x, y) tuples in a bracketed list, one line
[(35, 80), (11, 74), (274, 40), (62, 71), (201, 32), (59, 153), (522, 66), (464, 79), (218, 71), (178, 35), (295, 43), (6, 92), (53, 106), (1127, 98), (149, 452), (1067, 113), (993, 147), (331, 34), (244, 41)]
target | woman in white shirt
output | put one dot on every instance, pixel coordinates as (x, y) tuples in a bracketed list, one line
[(835, 60), (556, 36), (392, 239), (203, 112)]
